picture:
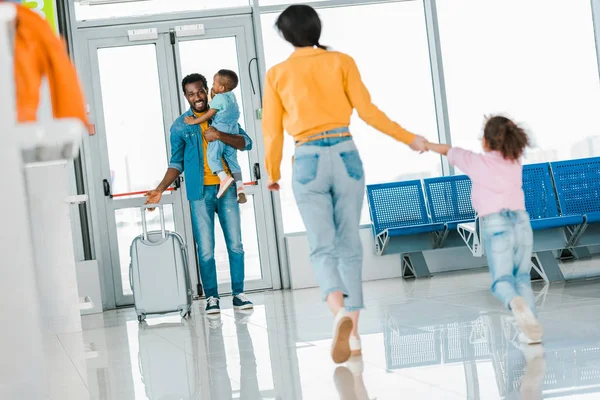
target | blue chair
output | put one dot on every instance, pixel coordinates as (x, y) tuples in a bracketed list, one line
[(540, 200), (578, 188), (449, 202), (401, 224)]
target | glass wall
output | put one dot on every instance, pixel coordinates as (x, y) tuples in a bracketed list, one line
[(534, 61), (389, 43)]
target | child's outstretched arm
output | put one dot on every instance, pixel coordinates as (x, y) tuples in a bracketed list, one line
[(190, 120), (439, 148)]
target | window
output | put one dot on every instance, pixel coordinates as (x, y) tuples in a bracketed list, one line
[(88, 10), (389, 43), (534, 61)]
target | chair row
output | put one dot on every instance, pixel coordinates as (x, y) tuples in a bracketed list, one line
[(562, 199)]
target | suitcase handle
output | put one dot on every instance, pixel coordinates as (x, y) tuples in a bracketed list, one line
[(163, 230)]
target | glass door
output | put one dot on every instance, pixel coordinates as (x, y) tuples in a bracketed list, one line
[(133, 80), (132, 119)]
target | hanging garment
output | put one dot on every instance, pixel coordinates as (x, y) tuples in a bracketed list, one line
[(40, 54)]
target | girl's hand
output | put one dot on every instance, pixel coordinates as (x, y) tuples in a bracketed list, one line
[(274, 186)]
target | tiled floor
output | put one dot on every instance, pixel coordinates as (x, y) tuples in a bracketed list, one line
[(439, 338)]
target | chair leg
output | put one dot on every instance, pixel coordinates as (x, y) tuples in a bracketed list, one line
[(546, 267), (414, 266)]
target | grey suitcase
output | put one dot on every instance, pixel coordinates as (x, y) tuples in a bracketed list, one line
[(158, 271)]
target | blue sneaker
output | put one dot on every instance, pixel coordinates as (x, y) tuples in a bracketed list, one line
[(212, 305), (241, 302)]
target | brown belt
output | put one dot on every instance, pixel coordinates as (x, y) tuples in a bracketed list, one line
[(324, 136)]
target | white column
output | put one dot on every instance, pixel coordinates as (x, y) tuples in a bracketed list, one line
[(22, 358)]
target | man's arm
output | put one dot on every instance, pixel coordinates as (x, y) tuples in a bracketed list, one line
[(238, 142), (174, 170)]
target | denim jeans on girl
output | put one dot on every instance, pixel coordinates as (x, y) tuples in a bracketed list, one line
[(329, 186), (508, 244)]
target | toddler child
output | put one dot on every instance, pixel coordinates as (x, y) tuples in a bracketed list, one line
[(225, 113), (499, 200)]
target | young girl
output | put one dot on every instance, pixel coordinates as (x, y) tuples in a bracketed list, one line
[(499, 200)]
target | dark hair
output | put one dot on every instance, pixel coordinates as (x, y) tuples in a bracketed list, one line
[(503, 135), (193, 78), (301, 26), (228, 78)]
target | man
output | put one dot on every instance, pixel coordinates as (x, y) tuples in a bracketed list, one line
[(188, 150)]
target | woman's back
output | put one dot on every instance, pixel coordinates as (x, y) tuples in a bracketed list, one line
[(312, 87)]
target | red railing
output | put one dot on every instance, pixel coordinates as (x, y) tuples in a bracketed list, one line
[(171, 189)]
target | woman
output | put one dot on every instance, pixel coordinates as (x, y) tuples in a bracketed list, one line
[(312, 95)]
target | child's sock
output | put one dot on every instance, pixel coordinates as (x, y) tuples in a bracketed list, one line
[(222, 175)]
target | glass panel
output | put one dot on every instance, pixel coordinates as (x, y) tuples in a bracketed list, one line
[(250, 241), (399, 81), (532, 61), (129, 8), (129, 226), (222, 55), (133, 117)]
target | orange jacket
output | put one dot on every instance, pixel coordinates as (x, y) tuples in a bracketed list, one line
[(39, 54)]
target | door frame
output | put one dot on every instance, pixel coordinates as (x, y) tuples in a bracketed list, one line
[(116, 30)]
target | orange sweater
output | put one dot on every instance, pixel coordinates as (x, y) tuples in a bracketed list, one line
[(40, 53), (314, 91)]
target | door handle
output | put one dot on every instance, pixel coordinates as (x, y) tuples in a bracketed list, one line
[(106, 185), (256, 170)]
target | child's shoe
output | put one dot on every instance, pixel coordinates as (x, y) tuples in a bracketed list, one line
[(531, 329), (241, 195), (225, 184)]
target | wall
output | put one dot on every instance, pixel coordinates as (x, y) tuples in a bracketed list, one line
[(375, 267)]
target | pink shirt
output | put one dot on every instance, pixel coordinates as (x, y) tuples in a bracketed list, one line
[(497, 182)]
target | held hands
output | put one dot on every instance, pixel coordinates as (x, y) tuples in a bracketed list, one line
[(419, 144), (274, 186)]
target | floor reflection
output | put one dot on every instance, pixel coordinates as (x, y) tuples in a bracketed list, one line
[(441, 338)]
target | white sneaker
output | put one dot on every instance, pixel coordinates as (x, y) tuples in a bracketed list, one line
[(531, 329), (225, 184), (342, 327)]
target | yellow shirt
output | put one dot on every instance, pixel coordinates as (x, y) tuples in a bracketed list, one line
[(209, 177), (314, 91)]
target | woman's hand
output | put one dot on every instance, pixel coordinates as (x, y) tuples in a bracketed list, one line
[(274, 186)]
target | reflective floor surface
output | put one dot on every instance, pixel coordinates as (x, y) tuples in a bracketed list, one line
[(439, 338)]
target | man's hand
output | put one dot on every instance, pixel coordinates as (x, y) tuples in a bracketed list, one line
[(419, 144), (153, 197), (211, 134), (274, 186)]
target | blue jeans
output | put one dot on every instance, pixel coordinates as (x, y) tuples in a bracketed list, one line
[(216, 152), (508, 244), (203, 224), (329, 186)]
